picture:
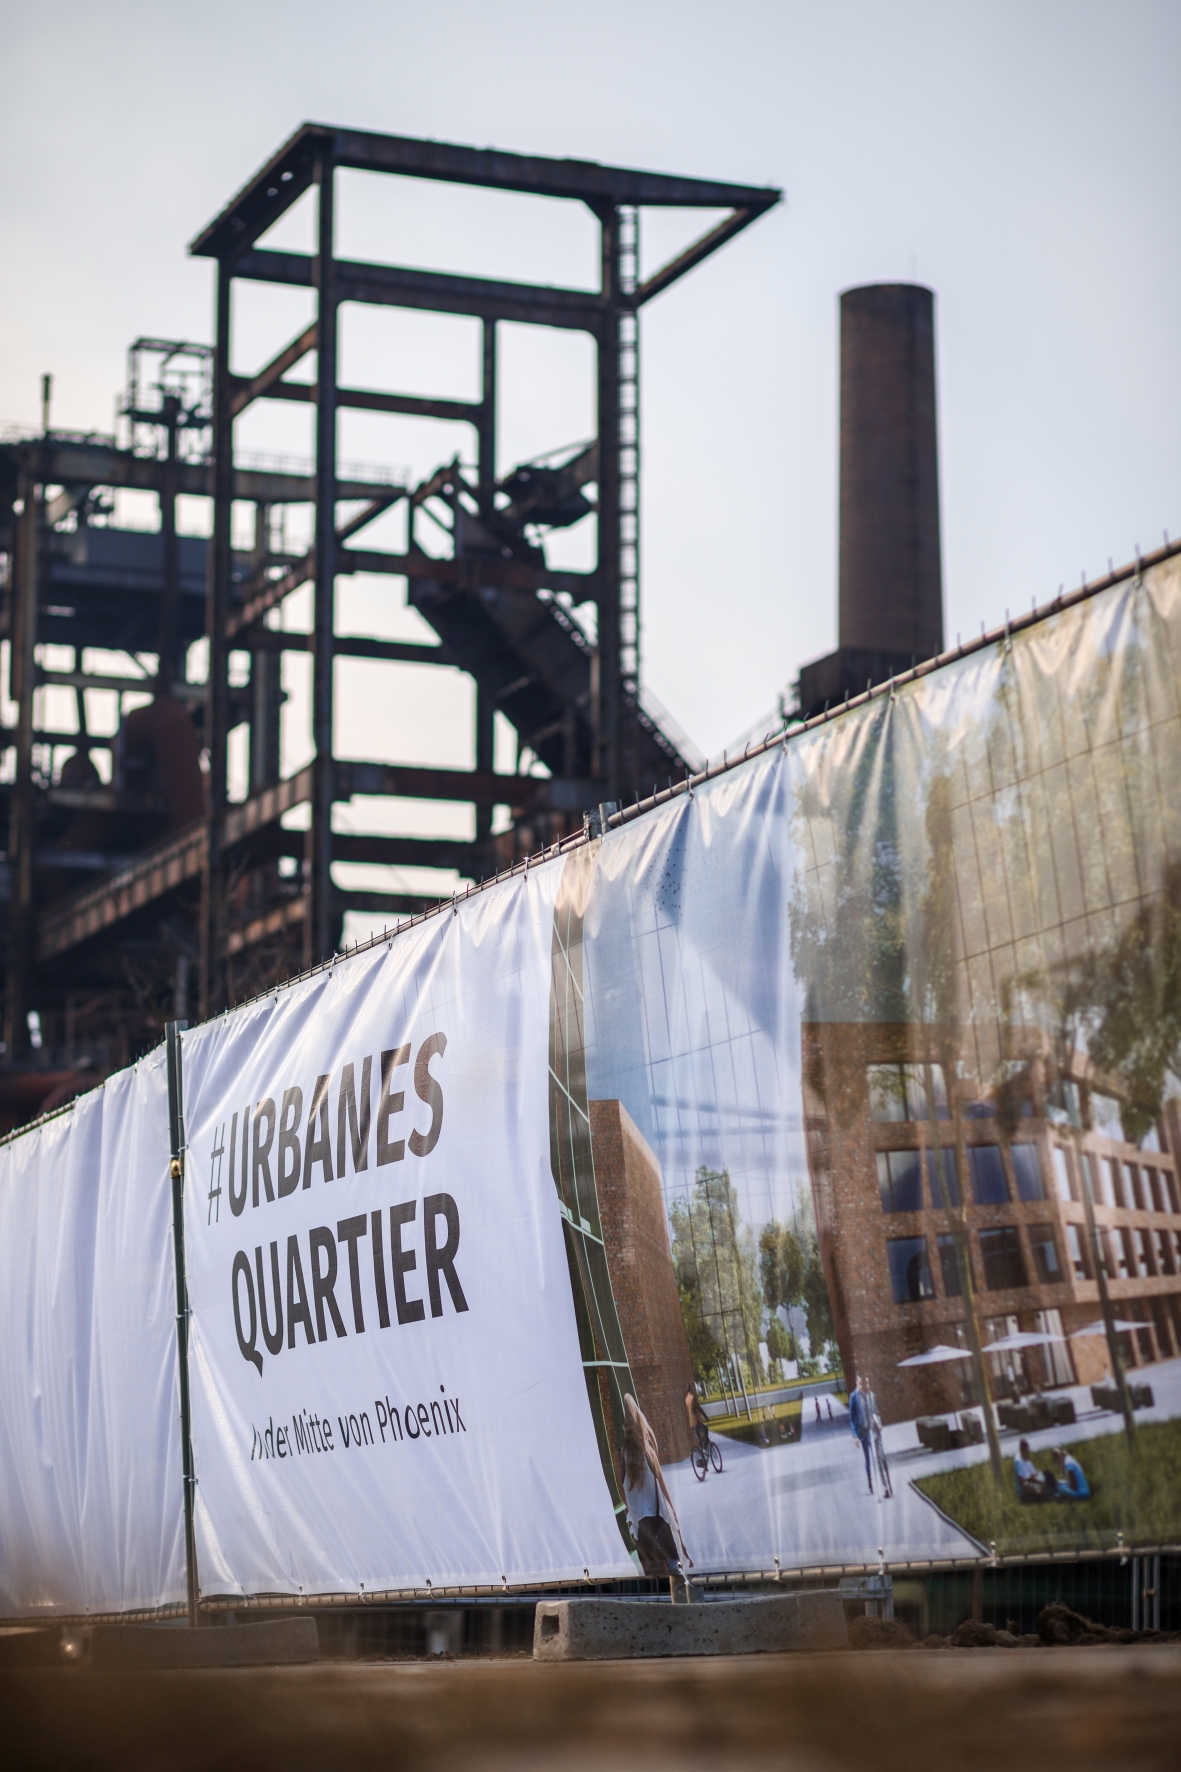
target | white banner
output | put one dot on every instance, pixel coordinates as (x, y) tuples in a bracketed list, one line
[(797, 1170), (91, 1495), (386, 1381)]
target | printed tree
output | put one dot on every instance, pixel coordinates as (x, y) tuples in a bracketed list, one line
[(717, 1275)]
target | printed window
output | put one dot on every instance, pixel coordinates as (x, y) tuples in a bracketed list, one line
[(1152, 1189), (1004, 1264), (1145, 1266), (1063, 1176), (1044, 1248), (951, 1264), (918, 1084), (989, 1187), (1177, 1247), (910, 1275), (1164, 1253), (1027, 1172), (1125, 1254), (1076, 1244), (887, 1092), (1152, 1140), (1170, 1181), (1106, 1115), (1059, 1365), (900, 1181), (1062, 1100), (1132, 1192), (1091, 1174), (1109, 1169), (943, 1177), (899, 1092)]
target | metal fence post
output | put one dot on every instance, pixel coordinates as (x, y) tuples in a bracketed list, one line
[(176, 1170)]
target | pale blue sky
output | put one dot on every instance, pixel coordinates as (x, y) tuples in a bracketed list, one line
[(1022, 159)]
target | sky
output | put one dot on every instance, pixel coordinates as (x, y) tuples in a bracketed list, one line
[(1020, 159)]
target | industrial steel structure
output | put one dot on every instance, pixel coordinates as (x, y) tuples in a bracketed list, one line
[(197, 901)]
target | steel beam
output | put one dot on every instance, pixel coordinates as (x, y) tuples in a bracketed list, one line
[(466, 573), (585, 180), (22, 808), (421, 852), (438, 292), (92, 680), (266, 686), (471, 571), (160, 870), (318, 932), (251, 388), (391, 904), (212, 993), (352, 646), (290, 914), (293, 911), (289, 172), (268, 807), (483, 788), (166, 646), (85, 463), (367, 400), (178, 860), (694, 254), (486, 424), (605, 677)]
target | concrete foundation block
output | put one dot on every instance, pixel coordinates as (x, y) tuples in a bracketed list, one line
[(613, 1630), (275, 1642)]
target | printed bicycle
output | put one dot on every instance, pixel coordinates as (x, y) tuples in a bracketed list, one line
[(706, 1453)]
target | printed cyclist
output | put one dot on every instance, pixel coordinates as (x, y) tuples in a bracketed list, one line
[(698, 1425)]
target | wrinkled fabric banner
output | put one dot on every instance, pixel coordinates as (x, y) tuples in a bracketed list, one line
[(787, 1179), (91, 1496), (881, 1056), (386, 1388)]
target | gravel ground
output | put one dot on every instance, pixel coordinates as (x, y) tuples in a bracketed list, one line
[(1080, 1709)]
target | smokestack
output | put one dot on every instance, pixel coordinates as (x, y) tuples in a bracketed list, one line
[(891, 588)]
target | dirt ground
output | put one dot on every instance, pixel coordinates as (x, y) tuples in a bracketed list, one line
[(1044, 1709)]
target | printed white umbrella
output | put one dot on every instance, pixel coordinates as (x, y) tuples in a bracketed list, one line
[(935, 1354), (1120, 1326), (1022, 1338)]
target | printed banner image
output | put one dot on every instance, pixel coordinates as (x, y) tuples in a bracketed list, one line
[(91, 1496), (386, 1382), (879, 1067), (789, 1177)]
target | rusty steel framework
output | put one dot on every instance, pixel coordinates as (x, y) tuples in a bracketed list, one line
[(221, 895)]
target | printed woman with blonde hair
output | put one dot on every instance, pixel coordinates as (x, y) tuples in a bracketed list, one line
[(643, 1487)]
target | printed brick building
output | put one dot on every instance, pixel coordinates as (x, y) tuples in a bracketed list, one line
[(893, 1141), (639, 1259)]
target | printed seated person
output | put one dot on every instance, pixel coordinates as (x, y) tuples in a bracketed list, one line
[(650, 1511), (1072, 1481), (1032, 1484)]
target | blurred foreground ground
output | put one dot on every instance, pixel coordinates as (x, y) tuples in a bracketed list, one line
[(1082, 1709)]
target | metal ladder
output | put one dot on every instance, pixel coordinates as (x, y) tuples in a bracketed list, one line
[(629, 458)]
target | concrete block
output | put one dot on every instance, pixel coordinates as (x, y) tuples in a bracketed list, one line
[(611, 1630), (275, 1642)]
